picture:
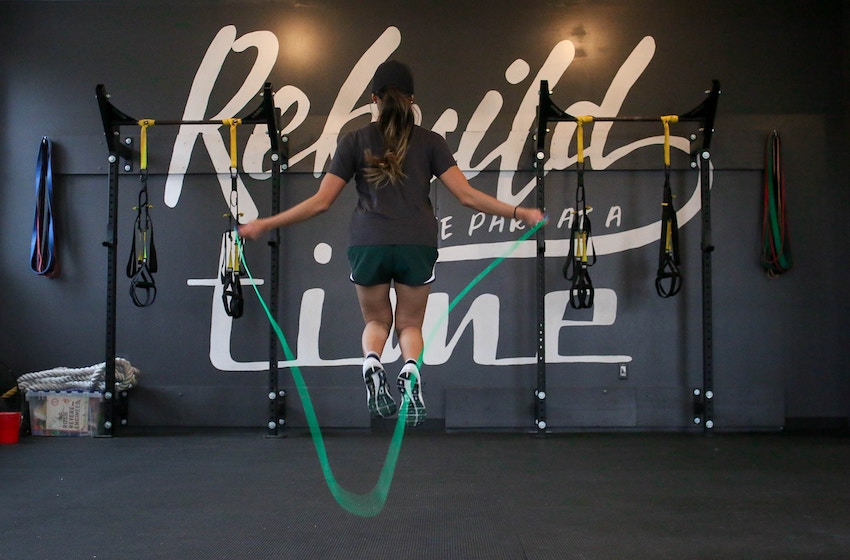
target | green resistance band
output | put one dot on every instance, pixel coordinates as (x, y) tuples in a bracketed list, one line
[(371, 503)]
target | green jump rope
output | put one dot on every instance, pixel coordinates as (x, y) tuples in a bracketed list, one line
[(371, 503)]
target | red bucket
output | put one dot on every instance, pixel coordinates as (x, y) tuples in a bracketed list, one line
[(10, 427)]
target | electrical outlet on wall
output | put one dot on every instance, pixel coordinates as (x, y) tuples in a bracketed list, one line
[(624, 371)]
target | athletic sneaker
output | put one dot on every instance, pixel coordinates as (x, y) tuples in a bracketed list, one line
[(378, 398), (411, 390)]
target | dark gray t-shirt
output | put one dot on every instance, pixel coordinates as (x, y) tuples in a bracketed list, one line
[(395, 214)]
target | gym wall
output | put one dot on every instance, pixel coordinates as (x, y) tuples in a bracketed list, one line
[(778, 342)]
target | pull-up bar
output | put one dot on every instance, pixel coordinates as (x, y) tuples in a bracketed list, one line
[(704, 114), (211, 123), (113, 119)]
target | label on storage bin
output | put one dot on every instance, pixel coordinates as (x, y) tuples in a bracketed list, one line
[(67, 413)]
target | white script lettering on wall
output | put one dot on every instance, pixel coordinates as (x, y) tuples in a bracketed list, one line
[(483, 313)]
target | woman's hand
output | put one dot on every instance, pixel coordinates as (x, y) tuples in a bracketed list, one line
[(531, 216), (253, 230)]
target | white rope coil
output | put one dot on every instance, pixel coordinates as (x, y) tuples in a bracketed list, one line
[(92, 378)]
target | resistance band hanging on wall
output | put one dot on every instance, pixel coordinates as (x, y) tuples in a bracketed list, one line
[(43, 260), (142, 263), (776, 248), (576, 266), (668, 279), (231, 244)]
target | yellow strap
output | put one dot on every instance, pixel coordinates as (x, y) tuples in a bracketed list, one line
[(666, 120), (143, 141), (580, 135), (233, 253), (232, 123), (582, 246), (145, 245)]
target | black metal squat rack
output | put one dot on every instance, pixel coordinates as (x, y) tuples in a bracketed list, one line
[(704, 114), (115, 406)]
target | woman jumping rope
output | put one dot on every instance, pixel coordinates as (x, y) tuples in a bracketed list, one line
[(393, 230)]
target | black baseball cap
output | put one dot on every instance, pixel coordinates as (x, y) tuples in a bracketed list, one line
[(392, 73)]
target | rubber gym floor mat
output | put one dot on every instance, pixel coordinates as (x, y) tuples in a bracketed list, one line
[(239, 495)]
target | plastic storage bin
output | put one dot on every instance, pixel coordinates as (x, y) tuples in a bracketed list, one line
[(64, 413)]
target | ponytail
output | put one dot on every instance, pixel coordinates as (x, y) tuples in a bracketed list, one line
[(395, 121)]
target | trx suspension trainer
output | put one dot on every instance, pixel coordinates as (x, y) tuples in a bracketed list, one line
[(668, 279), (576, 266), (231, 244), (142, 263)]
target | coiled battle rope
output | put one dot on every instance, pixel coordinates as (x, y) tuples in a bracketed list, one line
[(91, 378)]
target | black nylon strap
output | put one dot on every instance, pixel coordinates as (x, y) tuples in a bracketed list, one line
[(142, 263), (142, 287), (576, 266), (231, 295), (668, 278)]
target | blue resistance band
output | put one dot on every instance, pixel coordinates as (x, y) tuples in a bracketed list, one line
[(43, 259)]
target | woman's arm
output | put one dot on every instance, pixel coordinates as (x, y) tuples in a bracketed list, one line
[(328, 191), (471, 197)]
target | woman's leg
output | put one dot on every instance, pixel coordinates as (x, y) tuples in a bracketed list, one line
[(376, 308), (409, 315), (377, 313)]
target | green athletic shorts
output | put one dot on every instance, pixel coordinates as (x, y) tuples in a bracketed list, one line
[(412, 265)]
